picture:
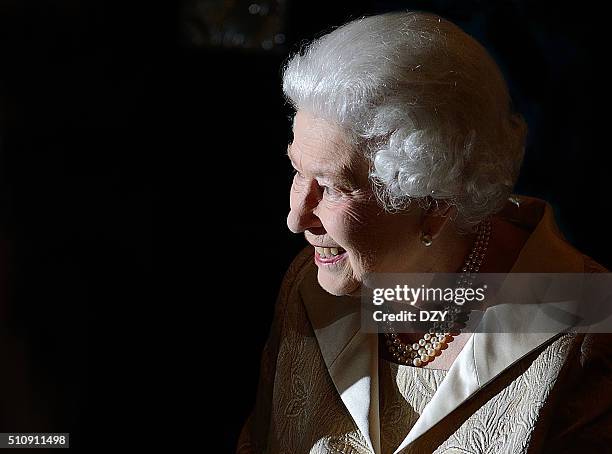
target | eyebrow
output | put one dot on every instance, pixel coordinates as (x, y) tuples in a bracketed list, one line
[(346, 176)]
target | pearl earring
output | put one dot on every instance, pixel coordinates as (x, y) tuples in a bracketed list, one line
[(426, 239)]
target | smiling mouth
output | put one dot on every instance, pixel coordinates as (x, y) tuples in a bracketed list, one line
[(329, 255)]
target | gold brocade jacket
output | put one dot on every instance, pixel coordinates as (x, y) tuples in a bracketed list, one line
[(505, 392)]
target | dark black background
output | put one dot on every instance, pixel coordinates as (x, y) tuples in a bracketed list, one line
[(144, 195)]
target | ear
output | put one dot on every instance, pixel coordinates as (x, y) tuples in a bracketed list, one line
[(436, 217)]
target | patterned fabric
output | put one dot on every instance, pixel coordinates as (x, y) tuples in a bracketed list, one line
[(308, 416), (404, 393), (506, 422)]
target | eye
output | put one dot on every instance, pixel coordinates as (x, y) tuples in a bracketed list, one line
[(329, 191)]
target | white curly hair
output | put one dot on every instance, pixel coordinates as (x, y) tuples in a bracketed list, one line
[(424, 101)]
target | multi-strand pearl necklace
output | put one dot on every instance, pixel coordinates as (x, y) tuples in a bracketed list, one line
[(441, 333)]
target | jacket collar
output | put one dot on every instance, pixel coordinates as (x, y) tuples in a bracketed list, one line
[(351, 355)]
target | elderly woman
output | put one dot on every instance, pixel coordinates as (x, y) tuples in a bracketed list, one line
[(405, 151)]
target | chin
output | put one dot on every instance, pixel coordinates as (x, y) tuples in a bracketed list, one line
[(338, 286)]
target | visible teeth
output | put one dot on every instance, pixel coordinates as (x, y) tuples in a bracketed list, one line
[(328, 252), (322, 252)]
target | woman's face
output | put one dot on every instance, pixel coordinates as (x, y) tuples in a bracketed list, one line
[(333, 204)]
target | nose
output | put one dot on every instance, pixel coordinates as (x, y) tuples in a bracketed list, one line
[(303, 204)]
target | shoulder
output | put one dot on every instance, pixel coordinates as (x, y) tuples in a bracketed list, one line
[(582, 417), (546, 250), (298, 268), (289, 308)]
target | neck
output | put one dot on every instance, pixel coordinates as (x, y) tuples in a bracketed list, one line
[(507, 241), (448, 252)]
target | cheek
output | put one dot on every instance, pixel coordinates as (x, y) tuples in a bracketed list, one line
[(347, 223)]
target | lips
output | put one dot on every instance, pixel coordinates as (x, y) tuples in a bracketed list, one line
[(329, 256)]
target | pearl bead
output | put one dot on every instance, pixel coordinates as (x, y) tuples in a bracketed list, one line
[(422, 342), (427, 336), (417, 362), (415, 346)]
